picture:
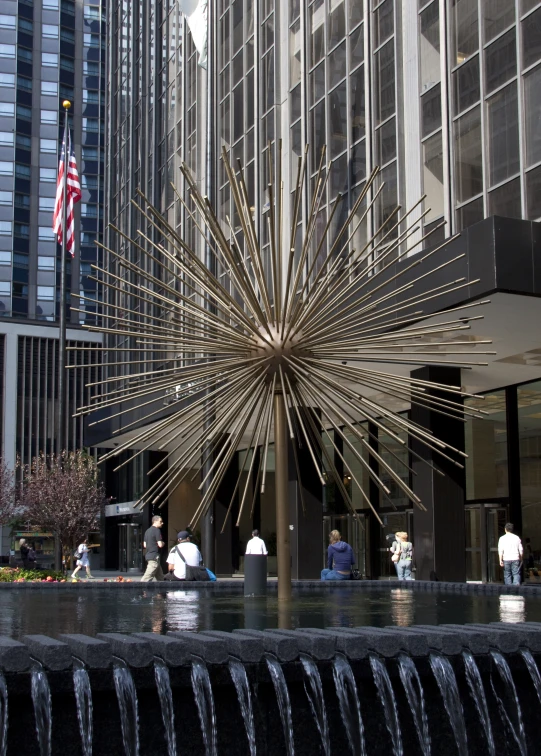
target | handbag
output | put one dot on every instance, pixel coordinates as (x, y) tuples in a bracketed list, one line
[(194, 573)]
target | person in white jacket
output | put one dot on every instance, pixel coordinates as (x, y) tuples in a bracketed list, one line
[(256, 545), (510, 552)]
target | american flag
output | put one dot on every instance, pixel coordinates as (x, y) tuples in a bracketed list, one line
[(73, 194)]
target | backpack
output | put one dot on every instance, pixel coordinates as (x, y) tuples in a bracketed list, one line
[(77, 553)]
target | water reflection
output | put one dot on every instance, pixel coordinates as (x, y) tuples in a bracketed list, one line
[(402, 607), (137, 610), (512, 609)]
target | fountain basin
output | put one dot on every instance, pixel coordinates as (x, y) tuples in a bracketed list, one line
[(358, 648)]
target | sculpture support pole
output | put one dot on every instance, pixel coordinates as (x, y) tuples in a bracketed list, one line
[(283, 549)]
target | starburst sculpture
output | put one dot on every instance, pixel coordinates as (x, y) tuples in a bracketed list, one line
[(255, 350)]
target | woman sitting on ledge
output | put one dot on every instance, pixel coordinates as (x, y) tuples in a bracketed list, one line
[(340, 558)]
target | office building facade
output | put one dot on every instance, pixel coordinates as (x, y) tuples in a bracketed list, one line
[(444, 98), (50, 50)]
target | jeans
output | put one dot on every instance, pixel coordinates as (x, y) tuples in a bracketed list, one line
[(153, 571), (403, 569), (334, 575), (511, 572)]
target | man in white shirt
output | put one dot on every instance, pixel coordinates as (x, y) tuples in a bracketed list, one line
[(256, 545), (190, 552), (510, 553)]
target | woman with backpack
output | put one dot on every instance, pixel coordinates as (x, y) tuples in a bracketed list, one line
[(82, 559), (402, 556)]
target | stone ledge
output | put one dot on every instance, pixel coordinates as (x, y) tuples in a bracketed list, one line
[(176, 649)]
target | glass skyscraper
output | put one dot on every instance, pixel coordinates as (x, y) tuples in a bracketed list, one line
[(444, 96), (50, 50)]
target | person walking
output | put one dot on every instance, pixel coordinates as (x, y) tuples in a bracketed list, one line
[(340, 558), (82, 559), (256, 545), (152, 543), (190, 552), (510, 552), (402, 551), (24, 549)]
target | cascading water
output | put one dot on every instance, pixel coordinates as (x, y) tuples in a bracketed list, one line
[(516, 729), (388, 701), (127, 703), (530, 665), (3, 716), (414, 693), (350, 708), (446, 679), (205, 705), (83, 699), (282, 696), (314, 692), (165, 694), (477, 690), (242, 686), (41, 698)]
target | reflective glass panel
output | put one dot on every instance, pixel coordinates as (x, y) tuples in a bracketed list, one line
[(466, 87), (433, 176), (503, 146), (464, 29), (497, 16), (385, 82), (500, 61), (531, 38), (431, 110), (505, 200), (533, 194), (486, 447), (430, 46), (468, 155), (532, 115)]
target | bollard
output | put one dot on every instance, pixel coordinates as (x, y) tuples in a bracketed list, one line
[(255, 575)]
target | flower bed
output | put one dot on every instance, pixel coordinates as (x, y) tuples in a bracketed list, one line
[(21, 575)]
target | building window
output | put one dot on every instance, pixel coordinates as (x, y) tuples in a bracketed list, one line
[(503, 147), (464, 30), (45, 233), (5, 228), (7, 22), (533, 194), (26, 26), (46, 204), (6, 198), (68, 64), (22, 200), (6, 168), (48, 145), (91, 124), (24, 55), (46, 293), (505, 200), (23, 142), (45, 263), (24, 112), (531, 38), (7, 51), (6, 138), (47, 175), (67, 35), (49, 60), (7, 109), (24, 83), (5, 258), (91, 68), (22, 171), (532, 116), (21, 230), (468, 156), (49, 88), (49, 31), (49, 116), (7, 80)]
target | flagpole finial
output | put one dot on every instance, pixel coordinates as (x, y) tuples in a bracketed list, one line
[(66, 104)]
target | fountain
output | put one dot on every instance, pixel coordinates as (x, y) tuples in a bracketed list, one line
[(269, 692)]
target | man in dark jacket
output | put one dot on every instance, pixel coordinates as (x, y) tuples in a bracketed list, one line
[(340, 559)]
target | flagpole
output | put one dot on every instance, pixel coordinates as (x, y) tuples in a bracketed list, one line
[(61, 403)]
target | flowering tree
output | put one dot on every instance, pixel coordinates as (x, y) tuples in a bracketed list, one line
[(8, 503), (62, 493)]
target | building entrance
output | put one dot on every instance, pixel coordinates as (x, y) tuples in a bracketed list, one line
[(130, 551), (484, 525), (352, 531)]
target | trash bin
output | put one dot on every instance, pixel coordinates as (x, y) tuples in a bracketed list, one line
[(255, 575)]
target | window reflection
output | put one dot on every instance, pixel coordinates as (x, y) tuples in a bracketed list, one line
[(486, 447)]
